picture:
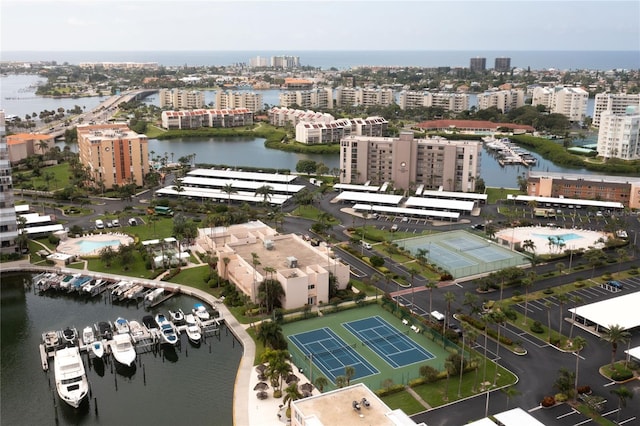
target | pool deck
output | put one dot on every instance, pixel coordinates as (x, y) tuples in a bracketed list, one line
[(71, 245), (540, 237)]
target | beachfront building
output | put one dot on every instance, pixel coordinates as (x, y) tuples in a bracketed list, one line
[(568, 101), (478, 64), (197, 118), (454, 102), (315, 98), (113, 154), (23, 145), (502, 64), (620, 189), (250, 253), (619, 135), (435, 163), (504, 100), (351, 404), (178, 98), (8, 224), (230, 100), (616, 103)]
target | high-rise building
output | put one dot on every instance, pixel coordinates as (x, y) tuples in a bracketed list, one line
[(619, 135), (8, 224), (307, 99), (478, 64), (435, 163), (454, 102), (502, 64), (181, 99), (614, 102), (504, 100), (114, 154), (569, 101), (232, 100)]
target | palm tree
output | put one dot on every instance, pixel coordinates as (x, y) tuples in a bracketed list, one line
[(255, 261), (421, 256), (341, 381), (449, 368), (526, 283), (576, 300), (562, 299), (269, 333), (430, 286), (349, 372), (266, 191), (413, 272), (498, 318), (321, 382), (547, 304), (623, 394), (43, 146), (579, 343), (291, 393), (472, 334), (464, 326), (529, 245), (448, 297), (229, 189), (615, 334), (510, 392)]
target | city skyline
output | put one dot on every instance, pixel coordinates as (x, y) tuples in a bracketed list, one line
[(143, 25)]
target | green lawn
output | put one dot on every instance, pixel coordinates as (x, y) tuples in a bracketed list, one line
[(495, 194), (60, 177), (136, 268), (193, 277), (161, 228), (404, 401), (312, 212)]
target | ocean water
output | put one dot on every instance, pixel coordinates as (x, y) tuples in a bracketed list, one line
[(344, 59)]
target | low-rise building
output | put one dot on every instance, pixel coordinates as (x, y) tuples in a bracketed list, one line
[(23, 145), (194, 119), (478, 127), (504, 100)]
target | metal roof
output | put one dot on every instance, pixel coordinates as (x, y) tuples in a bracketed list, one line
[(219, 195), (240, 184), (439, 203), (233, 174), (455, 195), (352, 187), (622, 310), (369, 198), (406, 211), (567, 201)]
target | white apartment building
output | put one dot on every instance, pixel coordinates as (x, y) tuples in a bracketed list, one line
[(184, 99), (345, 96), (247, 252), (435, 163), (236, 100), (454, 102), (194, 119), (619, 135), (568, 101), (281, 116), (617, 103), (8, 224), (310, 132), (359, 96), (504, 100), (317, 98), (259, 62)]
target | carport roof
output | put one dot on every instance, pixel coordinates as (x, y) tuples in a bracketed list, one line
[(622, 310), (634, 352)]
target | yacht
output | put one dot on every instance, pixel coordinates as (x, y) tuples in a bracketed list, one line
[(123, 350), (193, 329), (71, 380), (166, 330), (201, 312)]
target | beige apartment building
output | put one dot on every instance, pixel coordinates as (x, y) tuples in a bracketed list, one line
[(114, 154), (23, 145), (239, 100), (615, 103), (255, 252), (504, 100), (569, 101), (455, 102), (316, 98), (183, 99), (436, 163)]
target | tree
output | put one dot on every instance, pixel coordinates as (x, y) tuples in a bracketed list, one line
[(623, 393), (429, 373), (615, 334), (562, 300), (349, 372), (448, 297), (291, 393), (321, 382), (430, 286), (548, 305), (107, 254), (510, 392), (229, 189), (579, 343), (341, 381), (526, 283), (266, 191), (499, 318), (576, 300), (306, 166), (271, 293), (270, 334)]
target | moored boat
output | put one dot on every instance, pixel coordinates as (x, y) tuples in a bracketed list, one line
[(149, 322), (177, 316), (51, 340), (97, 348), (69, 336), (123, 350), (121, 325), (71, 380), (167, 331), (201, 312), (88, 336), (193, 329), (104, 329)]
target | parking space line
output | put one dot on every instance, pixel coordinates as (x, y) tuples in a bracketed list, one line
[(583, 422), (627, 421), (570, 413)]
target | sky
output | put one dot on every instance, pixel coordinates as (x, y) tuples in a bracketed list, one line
[(157, 25)]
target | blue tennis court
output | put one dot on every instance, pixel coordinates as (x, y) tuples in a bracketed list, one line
[(396, 348), (331, 354)]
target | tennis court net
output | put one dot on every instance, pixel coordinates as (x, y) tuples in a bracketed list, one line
[(309, 354)]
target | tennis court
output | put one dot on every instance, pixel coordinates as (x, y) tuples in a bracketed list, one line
[(388, 342), (463, 254), (331, 354)]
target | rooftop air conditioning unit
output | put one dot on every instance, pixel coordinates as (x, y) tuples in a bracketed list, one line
[(268, 244), (292, 262)]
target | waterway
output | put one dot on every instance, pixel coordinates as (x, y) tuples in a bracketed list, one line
[(190, 385)]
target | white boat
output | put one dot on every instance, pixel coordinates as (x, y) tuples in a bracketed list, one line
[(97, 348), (201, 312), (88, 336), (136, 329), (94, 284), (121, 287), (69, 335), (166, 330), (121, 325), (177, 316), (71, 380), (193, 329), (154, 295), (123, 350), (51, 340)]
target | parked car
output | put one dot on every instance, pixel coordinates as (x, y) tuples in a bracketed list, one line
[(99, 224), (394, 227), (115, 223), (615, 284), (455, 328), (133, 222), (366, 245)]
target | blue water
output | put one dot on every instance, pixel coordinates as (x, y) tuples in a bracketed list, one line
[(596, 60), (563, 237), (87, 246)]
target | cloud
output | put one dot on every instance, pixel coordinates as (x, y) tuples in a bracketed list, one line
[(77, 22)]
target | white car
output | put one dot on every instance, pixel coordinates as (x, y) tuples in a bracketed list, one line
[(115, 223), (366, 245)]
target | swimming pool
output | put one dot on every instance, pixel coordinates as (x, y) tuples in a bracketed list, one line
[(88, 246), (563, 237)]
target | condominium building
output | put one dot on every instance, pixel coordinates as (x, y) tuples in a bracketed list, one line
[(233, 100), (478, 64), (282, 116), (250, 253), (177, 98), (114, 154), (311, 132), (285, 61), (502, 64), (345, 96), (619, 135), (436, 163), (504, 100), (454, 102), (617, 103), (8, 224), (621, 189), (359, 96), (23, 145), (197, 118), (569, 101), (315, 98)]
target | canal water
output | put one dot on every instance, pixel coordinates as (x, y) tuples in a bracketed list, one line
[(189, 385)]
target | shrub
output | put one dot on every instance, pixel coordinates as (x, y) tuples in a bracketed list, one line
[(622, 375), (390, 390), (560, 397), (584, 389), (548, 401), (579, 284), (536, 327), (548, 290), (53, 239)]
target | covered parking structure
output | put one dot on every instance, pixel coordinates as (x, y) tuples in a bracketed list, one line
[(355, 188), (202, 182), (246, 176), (621, 311), (363, 197), (463, 207), (451, 195), (219, 195), (565, 202), (404, 211)]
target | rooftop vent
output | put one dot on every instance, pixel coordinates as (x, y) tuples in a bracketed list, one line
[(268, 244), (292, 262)]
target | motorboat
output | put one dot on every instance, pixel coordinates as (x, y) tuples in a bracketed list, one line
[(120, 288), (97, 348), (69, 336), (71, 380), (149, 322), (104, 329), (177, 316), (68, 280), (193, 329), (94, 285), (88, 336), (200, 311), (51, 340), (121, 325), (154, 295), (78, 283), (136, 329), (123, 350), (167, 331)]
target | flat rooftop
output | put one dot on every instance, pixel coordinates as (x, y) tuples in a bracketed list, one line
[(622, 310), (589, 178)]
